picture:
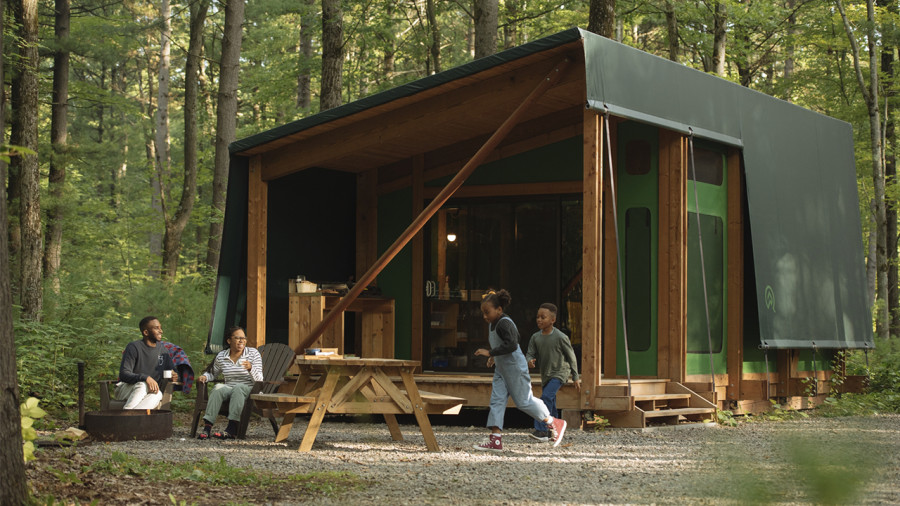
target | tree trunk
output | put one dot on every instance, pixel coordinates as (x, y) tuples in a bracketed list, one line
[(602, 18), (672, 30), (511, 27), (12, 466), (435, 35), (719, 39), (486, 12), (890, 172), (175, 225), (226, 121), (25, 134), (870, 93), (789, 50), (58, 141), (332, 54), (304, 77), (161, 154)]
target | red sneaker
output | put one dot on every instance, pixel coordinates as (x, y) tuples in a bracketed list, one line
[(492, 444), (557, 430)]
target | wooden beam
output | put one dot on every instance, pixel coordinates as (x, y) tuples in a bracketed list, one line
[(546, 83), (519, 189), (591, 258), (735, 335), (418, 264), (257, 226)]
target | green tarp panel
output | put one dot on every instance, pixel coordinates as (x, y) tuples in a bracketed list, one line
[(801, 188)]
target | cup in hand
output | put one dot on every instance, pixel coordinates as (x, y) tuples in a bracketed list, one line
[(167, 374)]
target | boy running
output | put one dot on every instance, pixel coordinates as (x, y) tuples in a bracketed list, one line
[(556, 359)]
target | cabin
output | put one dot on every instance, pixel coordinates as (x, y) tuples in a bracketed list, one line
[(701, 240)]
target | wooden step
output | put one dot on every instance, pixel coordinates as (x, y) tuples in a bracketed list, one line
[(679, 412), (661, 397)]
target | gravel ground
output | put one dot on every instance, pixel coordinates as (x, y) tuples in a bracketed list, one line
[(808, 461)]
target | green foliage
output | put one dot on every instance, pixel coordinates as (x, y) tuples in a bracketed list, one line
[(29, 411), (779, 412), (597, 422), (220, 473), (883, 373), (726, 418)]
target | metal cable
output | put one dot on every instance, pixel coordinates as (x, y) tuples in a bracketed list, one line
[(766, 357), (712, 370), (612, 187)]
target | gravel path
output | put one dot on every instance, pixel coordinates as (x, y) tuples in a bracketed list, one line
[(809, 461)]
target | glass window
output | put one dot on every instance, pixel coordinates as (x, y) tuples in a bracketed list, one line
[(637, 278), (714, 258), (709, 166), (637, 157)]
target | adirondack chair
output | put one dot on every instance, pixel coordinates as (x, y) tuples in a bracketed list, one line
[(276, 359)]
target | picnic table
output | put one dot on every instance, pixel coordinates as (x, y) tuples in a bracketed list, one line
[(358, 386)]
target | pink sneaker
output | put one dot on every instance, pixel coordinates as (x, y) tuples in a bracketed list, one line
[(557, 430), (492, 444)]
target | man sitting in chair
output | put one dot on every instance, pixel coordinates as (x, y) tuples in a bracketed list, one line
[(241, 366), (144, 364)]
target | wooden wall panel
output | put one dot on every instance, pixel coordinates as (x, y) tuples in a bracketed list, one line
[(257, 225), (610, 288)]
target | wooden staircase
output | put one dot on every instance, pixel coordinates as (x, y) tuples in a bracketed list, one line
[(652, 402)]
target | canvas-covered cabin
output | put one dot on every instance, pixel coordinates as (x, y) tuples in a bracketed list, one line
[(595, 176)]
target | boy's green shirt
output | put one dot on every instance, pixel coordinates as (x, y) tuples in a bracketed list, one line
[(554, 354)]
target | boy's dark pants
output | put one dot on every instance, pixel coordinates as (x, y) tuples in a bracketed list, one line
[(548, 395)]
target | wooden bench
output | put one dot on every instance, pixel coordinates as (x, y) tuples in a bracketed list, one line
[(439, 404), (285, 403)]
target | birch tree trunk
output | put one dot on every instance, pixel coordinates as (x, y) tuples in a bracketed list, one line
[(58, 141), (332, 54), (226, 121), (25, 134), (486, 12), (12, 466), (870, 93)]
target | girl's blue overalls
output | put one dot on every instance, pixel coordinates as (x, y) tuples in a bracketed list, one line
[(511, 379)]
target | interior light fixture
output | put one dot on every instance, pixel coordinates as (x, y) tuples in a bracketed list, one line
[(451, 237)]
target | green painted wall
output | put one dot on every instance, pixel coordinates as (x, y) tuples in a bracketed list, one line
[(394, 215)]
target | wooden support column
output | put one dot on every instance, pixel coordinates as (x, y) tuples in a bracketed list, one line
[(672, 290), (735, 335), (257, 228), (592, 254), (418, 262), (366, 221)]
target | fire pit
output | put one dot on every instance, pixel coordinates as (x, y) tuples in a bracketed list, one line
[(128, 425)]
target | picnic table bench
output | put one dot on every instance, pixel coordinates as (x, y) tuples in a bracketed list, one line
[(358, 386)]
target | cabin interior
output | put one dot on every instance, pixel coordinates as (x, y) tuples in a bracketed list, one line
[(537, 217)]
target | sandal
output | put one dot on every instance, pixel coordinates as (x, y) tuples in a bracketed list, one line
[(203, 436), (223, 435)]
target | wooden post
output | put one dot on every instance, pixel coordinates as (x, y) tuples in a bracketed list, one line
[(735, 336), (548, 82), (672, 328), (418, 262), (591, 255), (257, 228)]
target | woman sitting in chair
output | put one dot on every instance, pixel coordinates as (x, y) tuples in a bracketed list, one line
[(241, 366)]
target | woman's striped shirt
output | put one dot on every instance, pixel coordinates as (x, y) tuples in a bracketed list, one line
[(233, 371)]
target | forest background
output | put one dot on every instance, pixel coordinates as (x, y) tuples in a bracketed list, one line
[(119, 114)]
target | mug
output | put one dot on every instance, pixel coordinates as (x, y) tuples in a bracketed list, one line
[(167, 374)]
